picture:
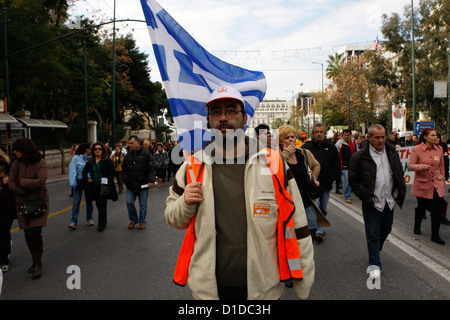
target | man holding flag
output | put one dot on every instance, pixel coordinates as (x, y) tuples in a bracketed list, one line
[(246, 225)]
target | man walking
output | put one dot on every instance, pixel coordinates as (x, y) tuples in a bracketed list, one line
[(327, 155), (376, 177), (139, 176), (235, 247), (346, 148)]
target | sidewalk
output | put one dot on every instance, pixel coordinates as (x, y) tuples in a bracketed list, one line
[(54, 175)]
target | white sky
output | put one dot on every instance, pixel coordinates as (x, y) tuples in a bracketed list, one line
[(278, 37)]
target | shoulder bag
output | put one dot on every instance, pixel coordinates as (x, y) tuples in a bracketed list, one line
[(311, 187)]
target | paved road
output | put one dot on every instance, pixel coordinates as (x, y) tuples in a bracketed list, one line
[(138, 264)]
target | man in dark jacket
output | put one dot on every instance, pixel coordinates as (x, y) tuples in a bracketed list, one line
[(326, 154), (376, 177), (139, 176)]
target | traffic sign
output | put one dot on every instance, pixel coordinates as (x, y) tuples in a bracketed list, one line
[(420, 125)]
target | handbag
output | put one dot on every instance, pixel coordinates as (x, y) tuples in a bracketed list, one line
[(311, 187), (32, 208), (104, 190)]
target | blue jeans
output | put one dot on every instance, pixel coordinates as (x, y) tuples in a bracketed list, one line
[(311, 217), (132, 213), (345, 184), (77, 192), (322, 203), (378, 225)]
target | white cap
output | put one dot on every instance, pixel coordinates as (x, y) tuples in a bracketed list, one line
[(225, 93)]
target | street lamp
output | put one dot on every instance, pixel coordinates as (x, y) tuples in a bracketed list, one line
[(323, 116)]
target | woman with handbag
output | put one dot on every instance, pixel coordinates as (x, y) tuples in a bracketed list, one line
[(7, 212), (305, 170), (427, 161), (98, 174), (27, 180)]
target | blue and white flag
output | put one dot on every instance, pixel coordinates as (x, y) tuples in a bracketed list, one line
[(190, 73)]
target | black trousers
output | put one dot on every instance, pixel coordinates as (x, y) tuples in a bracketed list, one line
[(435, 207), (100, 203), (6, 221)]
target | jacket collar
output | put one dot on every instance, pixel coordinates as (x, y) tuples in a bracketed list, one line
[(424, 146)]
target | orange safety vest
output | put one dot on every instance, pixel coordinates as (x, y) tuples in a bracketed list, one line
[(288, 250)]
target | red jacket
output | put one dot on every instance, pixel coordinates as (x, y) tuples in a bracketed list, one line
[(425, 181)]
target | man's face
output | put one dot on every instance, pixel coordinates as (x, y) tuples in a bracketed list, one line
[(226, 114), (408, 137), (347, 136), (134, 145), (378, 139), (319, 134)]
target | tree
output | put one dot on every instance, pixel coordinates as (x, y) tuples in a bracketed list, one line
[(432, 28), (334, 65)]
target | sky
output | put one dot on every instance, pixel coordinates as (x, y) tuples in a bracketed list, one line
[(281, 38)]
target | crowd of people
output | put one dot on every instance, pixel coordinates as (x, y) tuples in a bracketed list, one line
[(94, 170), (233, 210)]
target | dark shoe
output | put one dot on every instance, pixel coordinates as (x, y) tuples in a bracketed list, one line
[(445, 221), (37, 271), (438, 240), (318, 238), (100, 228), (338, 192)]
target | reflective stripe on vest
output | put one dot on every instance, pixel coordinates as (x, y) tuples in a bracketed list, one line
[(288, 250)]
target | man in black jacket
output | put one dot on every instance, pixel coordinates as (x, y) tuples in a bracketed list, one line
[(139, 176), (376, 177), (326, 154)]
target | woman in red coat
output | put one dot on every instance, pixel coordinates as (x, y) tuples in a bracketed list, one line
[(427, 161), (27, 178)]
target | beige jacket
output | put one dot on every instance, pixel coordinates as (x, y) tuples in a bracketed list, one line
[(263, 278)]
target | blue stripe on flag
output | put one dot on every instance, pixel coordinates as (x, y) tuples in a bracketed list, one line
[(181, 107)]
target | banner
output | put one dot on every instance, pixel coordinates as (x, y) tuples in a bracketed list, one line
[(399, 118)]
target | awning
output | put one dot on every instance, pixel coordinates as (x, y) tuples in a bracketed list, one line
[(7, 118), (42, 123)]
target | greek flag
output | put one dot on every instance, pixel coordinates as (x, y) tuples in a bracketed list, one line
[(190, 73)]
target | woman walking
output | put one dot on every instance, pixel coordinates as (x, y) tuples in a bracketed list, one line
[(27, 180), (117, 159), (78, 186), (161, 162), (99, 176), (7, 212), (295, 158), (427, 161)]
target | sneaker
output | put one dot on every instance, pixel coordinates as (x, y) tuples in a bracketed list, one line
[(373, 271), (4, 267), (90, 223), (72, 226)]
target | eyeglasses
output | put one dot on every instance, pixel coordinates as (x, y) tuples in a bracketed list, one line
[(96, 149), (229, 113)]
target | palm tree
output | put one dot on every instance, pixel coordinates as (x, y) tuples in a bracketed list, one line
[(334, 65)]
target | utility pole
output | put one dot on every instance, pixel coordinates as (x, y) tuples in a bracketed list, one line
[(448, 91), (5, 57), (113, 121), (413, 64)]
